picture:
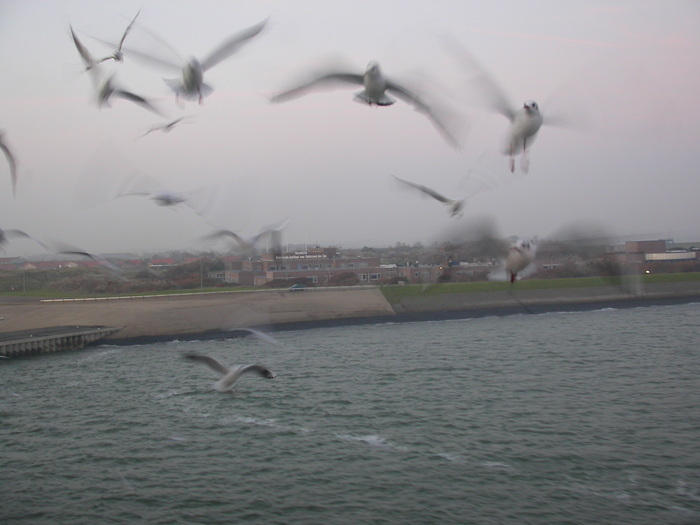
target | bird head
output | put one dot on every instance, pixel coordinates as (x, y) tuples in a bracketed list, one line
[(531, 105), (373, 67)]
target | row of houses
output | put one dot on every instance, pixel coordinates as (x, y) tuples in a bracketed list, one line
[(324, 266)]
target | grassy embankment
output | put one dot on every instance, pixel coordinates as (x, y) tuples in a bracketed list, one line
[(395, 293)]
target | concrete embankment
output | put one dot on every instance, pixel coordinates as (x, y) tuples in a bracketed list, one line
[(187, 316), (48, 340)]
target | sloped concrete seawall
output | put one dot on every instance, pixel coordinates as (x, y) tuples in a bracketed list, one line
[(189, 316)]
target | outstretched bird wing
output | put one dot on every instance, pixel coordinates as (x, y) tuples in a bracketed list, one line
[(232, 45), (13, 165), (212, 363), (325, 80), (419, 105)]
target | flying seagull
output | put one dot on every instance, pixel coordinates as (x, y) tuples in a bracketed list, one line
[(228, 376), (62, 248), (6, 234), (377, 92), (520, 258), (191, 85), (248, 244), (118, 55), (165, 128), (455, 206), (162, 198), (525, 121), (10, 160), (104, 85)]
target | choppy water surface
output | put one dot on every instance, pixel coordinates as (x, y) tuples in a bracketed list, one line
[(587, 417)]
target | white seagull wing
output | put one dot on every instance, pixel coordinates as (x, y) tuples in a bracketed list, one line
[(219, 368), (231, 45), (419, 105), (325, 80), (494, 94)]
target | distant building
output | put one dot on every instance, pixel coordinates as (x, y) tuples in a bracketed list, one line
[(319, 266), (655, 251)]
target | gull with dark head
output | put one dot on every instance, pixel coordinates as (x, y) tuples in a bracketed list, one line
[(10, 161), (378, 91), (228, 376), (455, 205)]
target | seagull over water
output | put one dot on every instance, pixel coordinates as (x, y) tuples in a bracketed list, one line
[(377, 92), (105, 88), (191, 85), (10, 160), (228, 376), (455, 205)]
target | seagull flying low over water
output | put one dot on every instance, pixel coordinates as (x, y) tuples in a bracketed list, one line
[(455, 206), (118, 55), (191, 85), (375, 93), (10, 160), (228, 376), (105, 88)]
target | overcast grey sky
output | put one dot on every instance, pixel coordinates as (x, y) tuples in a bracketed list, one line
[(625, 74)]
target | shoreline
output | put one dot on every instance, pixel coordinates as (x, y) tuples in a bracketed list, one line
[(425, 316), (209, 317)]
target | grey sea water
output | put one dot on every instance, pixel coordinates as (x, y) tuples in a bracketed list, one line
[(588, 417)]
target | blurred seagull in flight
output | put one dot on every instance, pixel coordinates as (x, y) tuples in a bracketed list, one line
[(520, 258), (6, 234), (376, 92), (118, 55), (165, 128), (105, 88), (228, 376), (249, 244), (455, 206), (525, 121), (62, 248), (191, 85), (162, 198), (10, 160)]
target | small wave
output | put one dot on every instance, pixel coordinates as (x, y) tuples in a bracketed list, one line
[(270, 423), (452, 458), (372, 440), (495, 465)]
